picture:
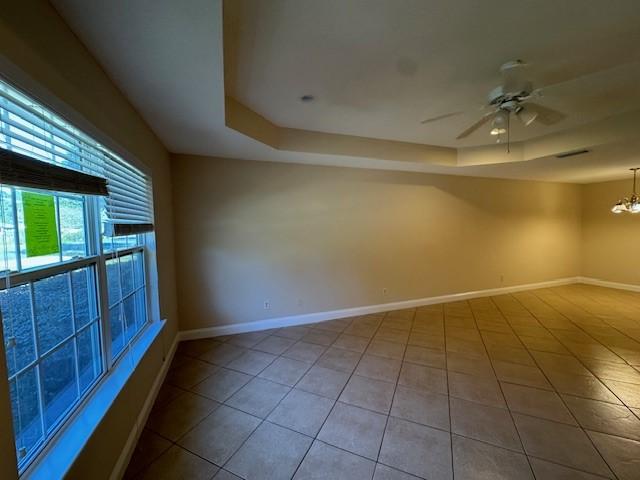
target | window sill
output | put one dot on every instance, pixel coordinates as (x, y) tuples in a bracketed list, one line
[(59, 455)]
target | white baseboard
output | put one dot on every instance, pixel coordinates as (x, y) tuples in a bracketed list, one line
[(608, 284), (352, 312), (130, 445)]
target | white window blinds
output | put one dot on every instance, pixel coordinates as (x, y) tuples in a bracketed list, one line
[(30, 129)]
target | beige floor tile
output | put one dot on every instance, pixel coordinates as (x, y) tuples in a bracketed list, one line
[(386, 349), (422, 407), (368, 393), (582, 386), (274, 345), (252, 362), (258, 397), (302, 411), (604, 417), (270, 452), (474, 460), (521, 375), (615, 371), (387, 334), (351, 342), (178, 463), (629, 393), (417, 449), (427, 340), (537, 403), (285, 370), (323, 381), (294, 333), (559, 443), (623, 455), (180, 415), (424, 356), (543, 344), (190, 373), (218, 436), (481, 422), (150, 446), (326, 462), (555, 362), (544, 470), (247, 340), (320, 337), (387, 473), (423, 378), (333, 325), (222, 384), (476, 389), (379, 368), (195, 348), (460, 363), (222, 354), (224, 475), (339, 359), (167, 393), (305, 352), (511, 354), (354, 429)]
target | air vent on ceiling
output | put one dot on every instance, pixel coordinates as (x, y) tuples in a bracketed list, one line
[(572, 153)]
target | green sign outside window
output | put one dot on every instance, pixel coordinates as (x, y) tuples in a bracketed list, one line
[(40, 224)]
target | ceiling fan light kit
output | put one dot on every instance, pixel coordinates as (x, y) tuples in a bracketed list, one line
[(513, 97), (632, 203)]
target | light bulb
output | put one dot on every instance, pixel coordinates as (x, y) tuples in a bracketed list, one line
[(635, 207), (619, 207), (498, 131)]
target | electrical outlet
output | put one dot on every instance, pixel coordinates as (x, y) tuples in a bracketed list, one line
[(501, 278), (384, 291), (267, 305), (299, 302)]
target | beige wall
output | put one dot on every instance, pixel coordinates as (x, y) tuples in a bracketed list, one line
[(311, 239), (37, 47), (610, 243)]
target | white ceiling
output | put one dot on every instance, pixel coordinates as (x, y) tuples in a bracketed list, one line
[(372, 77), (379, 67)]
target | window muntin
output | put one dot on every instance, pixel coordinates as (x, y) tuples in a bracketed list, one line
[(57, 350)]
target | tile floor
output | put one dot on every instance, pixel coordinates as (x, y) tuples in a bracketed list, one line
[(543, 384)]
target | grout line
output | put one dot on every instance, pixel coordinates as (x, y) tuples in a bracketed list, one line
[(555, 390), (513, 421)]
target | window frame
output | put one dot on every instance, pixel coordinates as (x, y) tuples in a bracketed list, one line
[(96, 258)]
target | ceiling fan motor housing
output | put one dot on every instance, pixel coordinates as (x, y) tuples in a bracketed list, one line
[(510, 101)]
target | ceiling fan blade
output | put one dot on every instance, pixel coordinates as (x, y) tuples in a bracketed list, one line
[(485, 118), (440, 117), (544, 115)]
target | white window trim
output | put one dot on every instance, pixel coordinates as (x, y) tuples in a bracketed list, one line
[(61, 451)]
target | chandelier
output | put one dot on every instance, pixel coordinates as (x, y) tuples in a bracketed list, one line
[(631, 204)]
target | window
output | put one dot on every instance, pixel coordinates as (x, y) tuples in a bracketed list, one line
[(73, 276)]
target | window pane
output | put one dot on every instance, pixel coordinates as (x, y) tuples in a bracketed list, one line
[(117, 330), (17, 326), (72, 228), (84, 296), (129, 308), (89, 365), (27, 423), (113, 281), (59, 383), (138, 269), (126, 274), (141, 308), (53, 310)]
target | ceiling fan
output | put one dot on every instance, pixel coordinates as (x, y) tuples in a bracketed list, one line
[(512, 98)]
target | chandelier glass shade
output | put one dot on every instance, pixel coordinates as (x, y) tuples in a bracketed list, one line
[(629, 204)]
